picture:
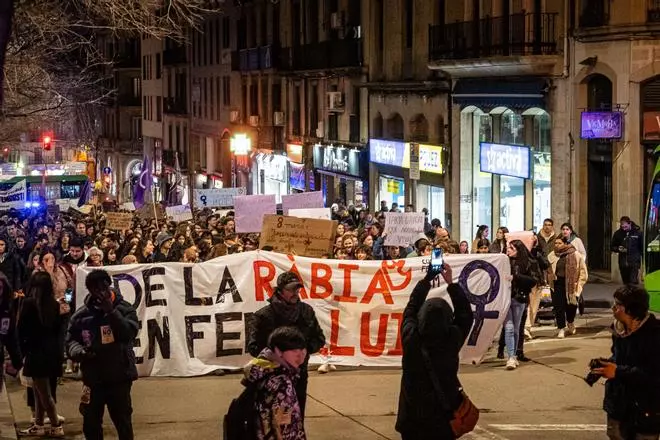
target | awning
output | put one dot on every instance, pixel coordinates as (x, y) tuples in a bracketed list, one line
[(488, 93)]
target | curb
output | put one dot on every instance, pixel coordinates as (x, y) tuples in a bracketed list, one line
[(7, 423)]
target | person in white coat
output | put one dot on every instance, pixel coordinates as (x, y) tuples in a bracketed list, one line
[(570, 276)]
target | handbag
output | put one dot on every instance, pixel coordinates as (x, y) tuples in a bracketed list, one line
[(466, 416)]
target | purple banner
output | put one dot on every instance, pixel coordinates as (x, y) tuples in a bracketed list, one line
[(602, 125)]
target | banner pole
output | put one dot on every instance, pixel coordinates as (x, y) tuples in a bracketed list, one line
[(153, 202)]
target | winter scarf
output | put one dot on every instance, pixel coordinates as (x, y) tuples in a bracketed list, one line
[(572, 273), (621, 330), (290, 312)]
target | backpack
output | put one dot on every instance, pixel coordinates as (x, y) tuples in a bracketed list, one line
[(240, 421)]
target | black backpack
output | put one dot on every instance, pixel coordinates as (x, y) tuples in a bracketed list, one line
[(240, 421)]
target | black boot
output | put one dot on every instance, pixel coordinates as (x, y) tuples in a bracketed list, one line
[(521, 357)]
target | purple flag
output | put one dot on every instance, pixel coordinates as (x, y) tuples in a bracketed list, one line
[(143, 185), (85, 193)]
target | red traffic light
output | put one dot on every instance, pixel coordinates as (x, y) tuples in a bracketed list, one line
[(47, 139), (47, 142)]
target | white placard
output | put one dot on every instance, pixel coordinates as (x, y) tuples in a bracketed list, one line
[(403, 228), (302, 201), (15, 197), (179, 213), (217, 197), (317, 213)]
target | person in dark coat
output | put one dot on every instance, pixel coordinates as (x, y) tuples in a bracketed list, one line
[(8, 315), (286, 310), (431, 327), (11, 266), (39, 322), (628, 242), (632, 390), (100, 337)]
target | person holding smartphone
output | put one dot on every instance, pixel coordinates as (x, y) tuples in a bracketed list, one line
[(432, 334)]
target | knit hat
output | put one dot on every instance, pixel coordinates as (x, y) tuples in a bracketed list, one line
[(289, 281)]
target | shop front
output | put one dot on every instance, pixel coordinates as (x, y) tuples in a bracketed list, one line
[(341, 172), (270, 175), (297, 172), (392, 162)]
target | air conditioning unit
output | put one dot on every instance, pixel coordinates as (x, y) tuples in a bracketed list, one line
[(278, 119), (235, 117), (253, 121), (335, 101), (226, 57), (320, 130), (337, 20)]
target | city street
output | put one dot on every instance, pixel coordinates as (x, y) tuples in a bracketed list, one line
[(544, 399)]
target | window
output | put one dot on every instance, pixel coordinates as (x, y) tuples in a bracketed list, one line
[(178, 138), (226, 91), (264, 26), (409, 23), (211, 99), (314, 110), (333, 127), (276, 24), (159, 69), (244, 101), (218, 38), (218, 97), (184, 147), (205, 98), (264, 100), (295, 128), (144, 67), (254, 100), (170, 137), (137, 88), (136, 128), (144, 107), (226, 36), (277, 97), (159, 108), (206, 43)]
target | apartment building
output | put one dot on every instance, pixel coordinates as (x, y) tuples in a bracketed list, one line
[(152, 111)]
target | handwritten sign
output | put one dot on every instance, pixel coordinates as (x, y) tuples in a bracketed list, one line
[(302, 201), (128, 206), (119, 221), (402, 228), (317, 213), (217, 197), (299, 236), (179, 213), (250, 211)]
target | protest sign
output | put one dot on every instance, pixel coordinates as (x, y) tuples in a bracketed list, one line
[(53, 209), (118, 221), (301, 201), (527, 237), (179, 213), (318, 213), (402, 228), (128, 206), (15, 197), (217, 197), (250, 211), (193, 317), (298, 236)]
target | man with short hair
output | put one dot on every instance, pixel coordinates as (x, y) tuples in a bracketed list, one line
[(100, 337), (632, 391), (286, 309), (81, 229), (628, 242), (70, 262), (546, 236)]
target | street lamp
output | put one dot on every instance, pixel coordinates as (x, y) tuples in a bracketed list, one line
[(239, 145)]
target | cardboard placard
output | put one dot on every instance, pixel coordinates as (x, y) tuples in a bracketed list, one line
[(299, 236), (147, 211), (118, 221), (402, 228), (53, 210)]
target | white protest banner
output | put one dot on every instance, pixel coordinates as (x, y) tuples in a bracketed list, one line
[(179, 213), (317, 213), (216, 198), (301, 201), (193, 317), (402, 228), (14, 197), (250, 211)]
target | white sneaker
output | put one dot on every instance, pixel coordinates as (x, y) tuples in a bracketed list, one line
[(511, 364), (561, 334), (33, 431), (60, 419), (571, 329), (56, 431), (528, 335), (325, 368)]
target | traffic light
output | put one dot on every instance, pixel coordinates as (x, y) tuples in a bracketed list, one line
[(5, 153), (47, 141)]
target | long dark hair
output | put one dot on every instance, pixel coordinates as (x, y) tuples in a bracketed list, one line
[(480, 231), (41, 290), (523, 260)]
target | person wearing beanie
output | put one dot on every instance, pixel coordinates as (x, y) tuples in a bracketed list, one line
[(285, 309)]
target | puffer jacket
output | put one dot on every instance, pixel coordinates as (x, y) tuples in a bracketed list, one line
[(636, 385), (278, 411)]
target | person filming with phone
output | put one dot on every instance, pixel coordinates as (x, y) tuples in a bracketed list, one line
[(632, 390), (432, 336), (100, 337)]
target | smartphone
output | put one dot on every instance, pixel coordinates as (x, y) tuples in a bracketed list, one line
[(436, 258), (68, 295)]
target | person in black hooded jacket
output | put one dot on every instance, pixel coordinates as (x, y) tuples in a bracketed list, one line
[(286, 310), (433, 327), (628, 242)]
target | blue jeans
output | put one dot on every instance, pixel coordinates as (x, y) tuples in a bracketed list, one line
[(512, 326)]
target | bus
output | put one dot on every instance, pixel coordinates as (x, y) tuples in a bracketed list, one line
[(57, 187), (652, 238)]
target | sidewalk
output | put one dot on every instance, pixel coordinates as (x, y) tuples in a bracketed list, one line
[(7, 426)]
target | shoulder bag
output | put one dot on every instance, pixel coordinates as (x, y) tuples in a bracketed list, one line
[(466, 416)]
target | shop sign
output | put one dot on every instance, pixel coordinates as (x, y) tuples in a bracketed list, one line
[(414, 162), (601, 125), (387, 152), (651, 126), (430, 159), (297, 176), (393, 186), (294, 152), (337, 160), (506, 160), (274, 166)]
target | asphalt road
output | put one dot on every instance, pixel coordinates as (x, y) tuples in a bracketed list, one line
[(544, 399)]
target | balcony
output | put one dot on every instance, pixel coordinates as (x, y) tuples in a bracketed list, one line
[(257, 58), (175, 106), (128, 101), (332, 54), (175, 55)]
